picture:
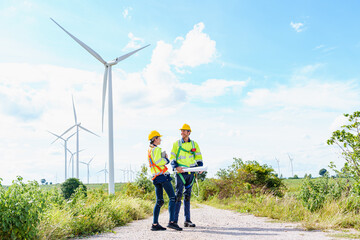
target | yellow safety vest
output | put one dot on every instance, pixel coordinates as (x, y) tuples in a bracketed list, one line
[(186, 154), (156, 162)]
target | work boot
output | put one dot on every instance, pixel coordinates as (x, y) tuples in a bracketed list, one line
[(174, 225), (157, 227), (189, 224)]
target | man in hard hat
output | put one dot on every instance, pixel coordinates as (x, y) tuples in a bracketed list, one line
[(185, 153)]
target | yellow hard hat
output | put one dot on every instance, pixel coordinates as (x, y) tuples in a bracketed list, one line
[(185, 127), (154, 134)]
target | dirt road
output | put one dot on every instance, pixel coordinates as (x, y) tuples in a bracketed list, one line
[(215, 223)]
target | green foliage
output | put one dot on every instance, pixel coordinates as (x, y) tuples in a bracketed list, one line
[(70, 185), (20, 208), (243, 177), (322, 172), (143, 180), (348, 140), (315, 192), (30, 211)]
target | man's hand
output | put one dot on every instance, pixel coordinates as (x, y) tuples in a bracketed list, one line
[(201, 172), (180, 170)]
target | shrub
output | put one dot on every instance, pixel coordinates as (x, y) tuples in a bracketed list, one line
[(315, 192), (143, 182), (20, 208), (70, 185), (248, 177)]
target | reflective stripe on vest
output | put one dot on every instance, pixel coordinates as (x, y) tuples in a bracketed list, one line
[(155, 168)]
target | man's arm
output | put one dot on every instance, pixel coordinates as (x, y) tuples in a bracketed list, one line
[(198, 156), (174, 163)]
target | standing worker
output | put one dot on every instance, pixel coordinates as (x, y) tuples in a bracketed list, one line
[(185, 153), (162, 180)]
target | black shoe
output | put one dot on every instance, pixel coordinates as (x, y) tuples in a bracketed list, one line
[(157, 227), (174, 226), (189, 224)]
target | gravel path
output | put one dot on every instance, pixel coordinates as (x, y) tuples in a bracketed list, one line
[(212, 223)]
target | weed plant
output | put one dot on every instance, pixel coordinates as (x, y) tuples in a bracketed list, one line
[(29, 212)]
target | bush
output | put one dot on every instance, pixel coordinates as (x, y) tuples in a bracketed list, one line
[(70, 185), (315, 192), (20, 208), (143, 180), (248, 177)]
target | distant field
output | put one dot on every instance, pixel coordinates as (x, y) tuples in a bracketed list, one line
[(293, 185), (118, 186)]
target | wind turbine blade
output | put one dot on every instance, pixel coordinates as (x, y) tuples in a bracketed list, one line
[(74, 109), (79, 151), (101, 171), (103, 97), (88, 130), (56, 136), (71, 136), (69, 152), (128, 54), (91, 160), (83, 162), (87, 48), (67, 130)]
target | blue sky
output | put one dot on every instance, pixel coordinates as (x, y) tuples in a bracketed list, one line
[(254, 80)]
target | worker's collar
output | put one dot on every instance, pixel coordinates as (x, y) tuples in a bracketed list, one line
[(182, 140)]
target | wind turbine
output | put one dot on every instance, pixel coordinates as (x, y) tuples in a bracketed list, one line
[(72, 160), (108, 71), (88, 166), (292, 169), (77, 125), (105, 171), (278, 162), (65, 145)]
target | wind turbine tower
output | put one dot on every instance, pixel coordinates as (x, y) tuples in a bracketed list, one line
[(292, 169), (88, 166), (278, 162), (65, 145), (107, 78)]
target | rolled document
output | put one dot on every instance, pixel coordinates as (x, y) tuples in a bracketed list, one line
[(194, 169)]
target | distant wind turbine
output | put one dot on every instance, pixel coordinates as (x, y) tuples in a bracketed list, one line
[(72, 160), (292, 169), (77, 125), (105, 171), (88, 166), (108, 71), (65, 147), (278, 162)]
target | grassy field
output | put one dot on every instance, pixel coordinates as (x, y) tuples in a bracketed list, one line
[(103, 186), (338, 214)]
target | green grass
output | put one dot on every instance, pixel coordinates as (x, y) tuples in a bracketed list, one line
[(293, 185), (118, 186), (335, 214)]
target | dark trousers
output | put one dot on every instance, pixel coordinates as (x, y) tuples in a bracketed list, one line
[(160, 200), (188, 177)]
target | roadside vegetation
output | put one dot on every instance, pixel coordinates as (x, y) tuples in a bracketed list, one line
[(322, 203), (29, 211)]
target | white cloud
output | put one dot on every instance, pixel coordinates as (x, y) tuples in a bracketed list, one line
[(211, 88), (298, 27), (197, 48), (336, 96), (135, 42), (126, 13)]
